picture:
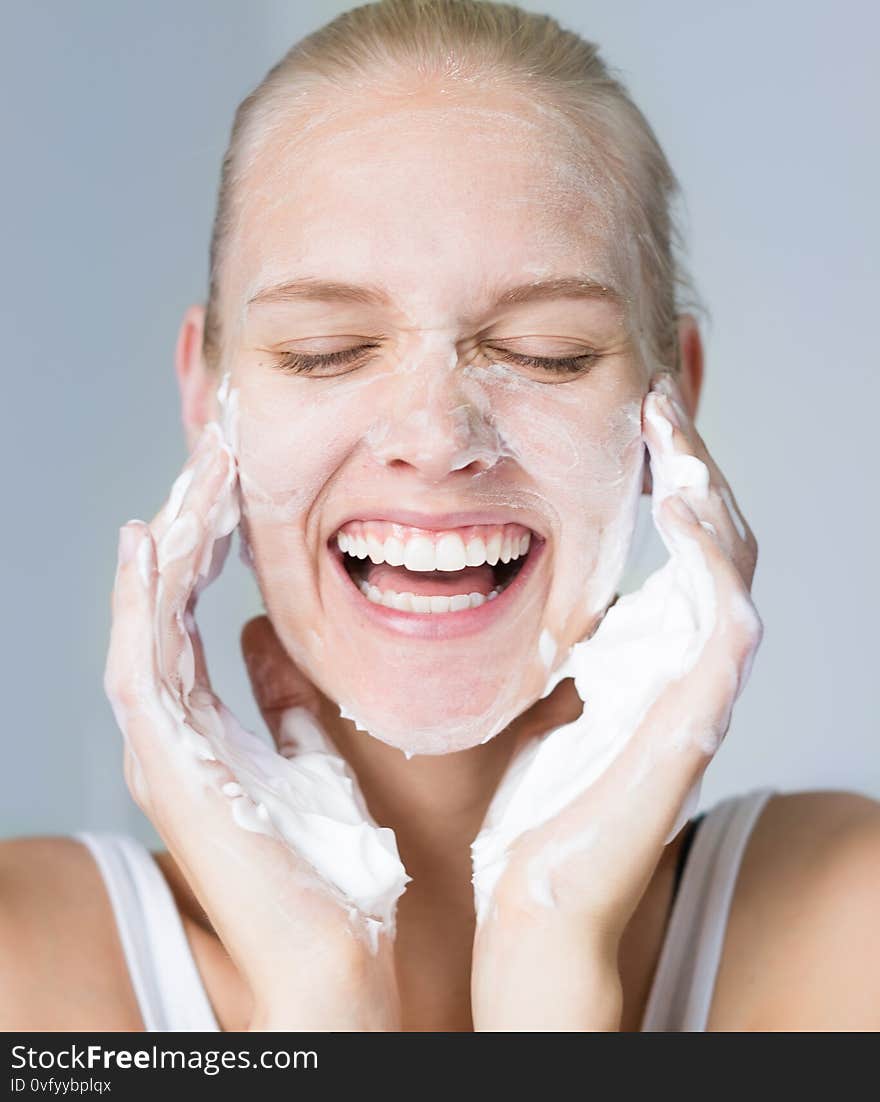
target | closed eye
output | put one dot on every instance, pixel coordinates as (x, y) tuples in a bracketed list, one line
[(564, 364), (296, 363)]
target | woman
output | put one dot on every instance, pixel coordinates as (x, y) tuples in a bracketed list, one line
[(441, 359)]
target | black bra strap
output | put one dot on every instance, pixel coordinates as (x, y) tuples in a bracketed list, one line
[(684, 850)]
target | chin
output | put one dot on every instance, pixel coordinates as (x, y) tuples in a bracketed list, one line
[(417, 725)]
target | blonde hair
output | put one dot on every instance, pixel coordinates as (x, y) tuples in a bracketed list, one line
[(496, 44)]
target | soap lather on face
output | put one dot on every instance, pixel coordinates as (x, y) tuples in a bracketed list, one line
[(433, 419)]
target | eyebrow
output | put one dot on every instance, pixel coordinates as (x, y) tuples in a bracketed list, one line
[(309, 288)]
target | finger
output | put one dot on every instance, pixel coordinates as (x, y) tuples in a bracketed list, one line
[(719, 596), (278, 684), (171, 765), (676, 470), (190, 651), (171, 508), (129, 671), (147, 715), (201, 678), (226, 519), (134, 778), (192, 797), (659, 765), (667, 386), (182, 554), (683, 729)]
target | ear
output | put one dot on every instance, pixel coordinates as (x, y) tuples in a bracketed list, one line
[(197, 383), (690, 362)]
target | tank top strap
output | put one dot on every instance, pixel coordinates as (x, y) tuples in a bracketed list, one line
[(167, 984), (684, 982)]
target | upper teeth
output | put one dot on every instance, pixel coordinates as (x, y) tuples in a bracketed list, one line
[(420, 550)]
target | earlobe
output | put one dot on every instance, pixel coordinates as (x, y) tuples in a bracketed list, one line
[(195, 380)]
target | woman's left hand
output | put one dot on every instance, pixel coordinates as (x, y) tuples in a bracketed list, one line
[(660, 677)]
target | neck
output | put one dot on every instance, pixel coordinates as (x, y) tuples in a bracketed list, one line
[(434, 803)]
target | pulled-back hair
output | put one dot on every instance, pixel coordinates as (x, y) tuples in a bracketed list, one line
[(495, 45)]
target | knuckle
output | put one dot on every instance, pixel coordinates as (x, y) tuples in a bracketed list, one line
[(135, 782), (745, 629), (123, 691), (136, 792), (714, 499), (750, 632), (117, 687)]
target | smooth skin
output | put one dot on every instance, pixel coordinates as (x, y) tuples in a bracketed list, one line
[(799, 950)]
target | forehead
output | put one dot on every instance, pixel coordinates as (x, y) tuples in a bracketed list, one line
[(431, 197)]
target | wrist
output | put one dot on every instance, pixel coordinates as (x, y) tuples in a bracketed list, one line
[(544, 976), (381, 1015), (350, 993)]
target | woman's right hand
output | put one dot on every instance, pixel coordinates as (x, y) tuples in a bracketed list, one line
[(299, 882)]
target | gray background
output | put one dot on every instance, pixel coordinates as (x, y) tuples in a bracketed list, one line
[(114, 120)]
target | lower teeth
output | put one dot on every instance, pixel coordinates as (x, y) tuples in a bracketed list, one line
[(411, 602)]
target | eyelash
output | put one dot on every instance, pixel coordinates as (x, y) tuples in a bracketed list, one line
[(296, 364)]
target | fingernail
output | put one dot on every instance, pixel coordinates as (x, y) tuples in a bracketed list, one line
[(668, 383), (662, 383), (671, 411), (129, 537)]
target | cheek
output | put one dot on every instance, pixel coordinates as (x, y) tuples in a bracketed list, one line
[(583, 450), (572, 437), (601, 517), (596, 540), (579, 445), (289, 447), (291, 442)]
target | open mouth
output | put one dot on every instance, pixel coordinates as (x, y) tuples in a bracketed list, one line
[(421, 571)]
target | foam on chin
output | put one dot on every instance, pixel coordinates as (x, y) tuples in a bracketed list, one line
[(504, 417), (337, 836)]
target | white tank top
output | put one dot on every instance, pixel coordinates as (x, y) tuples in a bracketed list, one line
[(172, 997)]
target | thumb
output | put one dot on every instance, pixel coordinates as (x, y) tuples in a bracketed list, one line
[(277, 682)]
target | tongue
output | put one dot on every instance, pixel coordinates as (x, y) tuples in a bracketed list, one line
[(435, 583)]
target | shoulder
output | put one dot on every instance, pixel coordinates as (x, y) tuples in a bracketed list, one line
[(799, 950), (62, 965)]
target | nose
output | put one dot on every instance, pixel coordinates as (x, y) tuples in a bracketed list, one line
[(437, 422)]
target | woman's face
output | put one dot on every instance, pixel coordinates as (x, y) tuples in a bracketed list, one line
[(432, 436)]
